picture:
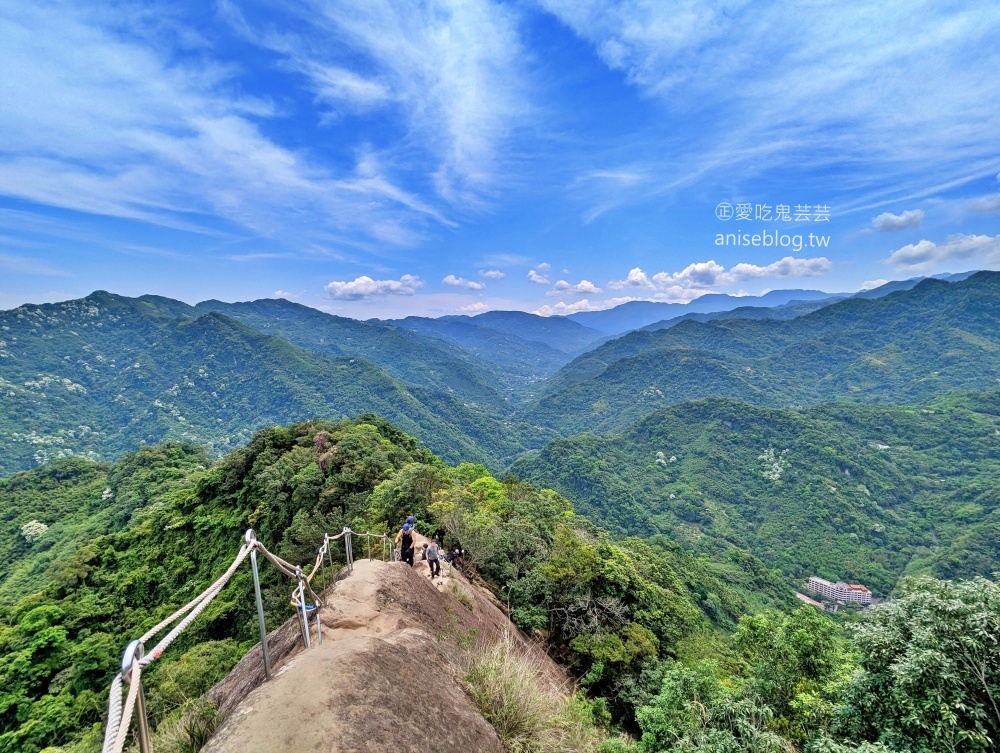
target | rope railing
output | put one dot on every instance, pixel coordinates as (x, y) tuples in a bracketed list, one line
[(135, 658)]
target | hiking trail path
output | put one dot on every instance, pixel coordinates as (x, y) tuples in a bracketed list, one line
[(387, 677)]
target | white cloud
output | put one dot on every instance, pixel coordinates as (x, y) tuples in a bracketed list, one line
[(537, 278), (790, 266), (285, 294), (927, 256), (636, 279), (703, 275), (460, 282), (544, 266), (121, 125), (451, 71), (365, 287), (562, 308), (872, 284), (492, 274), (986, 204), (890, 223), (473, 307), (584, 287)]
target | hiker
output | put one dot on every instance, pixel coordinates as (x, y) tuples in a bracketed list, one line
[(432, 553), (404, 539), (454, 557), (412, 521)]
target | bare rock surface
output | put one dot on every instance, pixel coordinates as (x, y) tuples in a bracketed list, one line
[(388, 676)]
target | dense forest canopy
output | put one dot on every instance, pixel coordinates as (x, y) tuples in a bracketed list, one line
[(648, 627)]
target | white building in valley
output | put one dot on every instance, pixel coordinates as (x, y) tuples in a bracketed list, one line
[(840, 591)]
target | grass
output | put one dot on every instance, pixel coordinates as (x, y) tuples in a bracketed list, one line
[(186, 730), (529, 711), (462, 596)]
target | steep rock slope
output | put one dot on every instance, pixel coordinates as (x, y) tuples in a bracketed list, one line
[(387, 676)]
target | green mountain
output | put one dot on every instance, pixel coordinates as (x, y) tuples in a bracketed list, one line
[(517, 363), (638, 314), (407, 356), (791, 310), (100, 376), (906, 347), (558, 332), (91, 555), (849, 491)]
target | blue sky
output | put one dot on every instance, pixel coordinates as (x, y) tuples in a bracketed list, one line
[(381, 159)]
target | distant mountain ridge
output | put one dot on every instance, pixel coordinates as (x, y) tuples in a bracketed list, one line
[(636, 314), (908, 346), (105, 374), (102, 375)]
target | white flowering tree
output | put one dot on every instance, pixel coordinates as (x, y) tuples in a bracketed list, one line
[(33, 530)]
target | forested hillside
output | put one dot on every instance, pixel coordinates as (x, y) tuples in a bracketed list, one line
[(414, 360), (906, 347), (674, 651), (849, 491), (94, 554), (107, 374)]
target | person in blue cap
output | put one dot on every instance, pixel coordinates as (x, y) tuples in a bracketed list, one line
[(404, 540)]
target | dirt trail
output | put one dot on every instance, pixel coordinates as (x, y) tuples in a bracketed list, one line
[(387, 677)]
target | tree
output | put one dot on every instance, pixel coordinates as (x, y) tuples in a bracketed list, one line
[(930, 678)]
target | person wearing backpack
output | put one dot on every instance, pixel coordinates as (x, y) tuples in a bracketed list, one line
[(404, 539), (433, 555)]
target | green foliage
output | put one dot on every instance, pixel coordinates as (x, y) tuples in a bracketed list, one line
[(150, 532), (101, 376), (930, 669), (847, 492), (937, 337)]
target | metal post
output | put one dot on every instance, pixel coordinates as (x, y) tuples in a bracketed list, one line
[(302, 605), (251, 539), (134, 652), (319, 627), (349, 549)]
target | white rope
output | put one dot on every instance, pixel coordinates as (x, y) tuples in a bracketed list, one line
[(202, 601), (116, 732), (114, 715), (133, 692)]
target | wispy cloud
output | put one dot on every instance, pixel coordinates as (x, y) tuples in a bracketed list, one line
[(24, 265), (113, 124), (986, 204), (473, 308), (452, 72), (492, 274), (748, 88)]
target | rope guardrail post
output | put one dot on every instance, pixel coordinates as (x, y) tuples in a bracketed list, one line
[(302, 605), (349, 548), (251, 540), (130, 660), (329, 556)]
